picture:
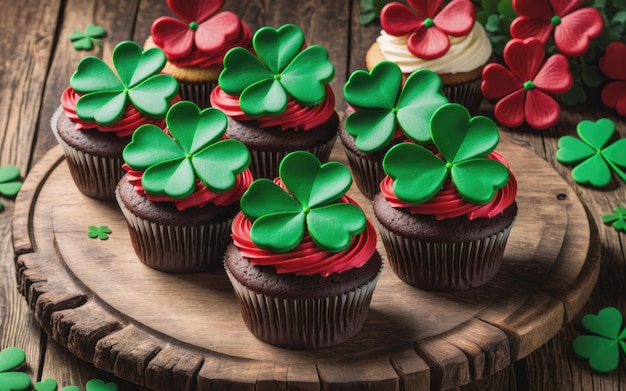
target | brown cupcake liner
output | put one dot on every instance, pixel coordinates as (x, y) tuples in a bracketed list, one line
[(177, 249), (304, 323), (367, 173), (467, 94), (198, 93), (445, 266)]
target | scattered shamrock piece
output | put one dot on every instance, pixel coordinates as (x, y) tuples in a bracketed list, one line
[(382, 102), (92, 385), (12, 358), (101, 232), (282, 69), (99, 385), (105, 95), (464, 144), (593, 159), (9, 182), (281, 216), (195, 150), (86, 40), (617, 219), (602, 349)]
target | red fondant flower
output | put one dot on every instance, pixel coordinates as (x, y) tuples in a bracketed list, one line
[(524, 88), (428, 24), (613, 65), (573, 26), (201, 26)]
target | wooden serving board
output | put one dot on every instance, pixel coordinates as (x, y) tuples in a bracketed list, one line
[(179, 332)]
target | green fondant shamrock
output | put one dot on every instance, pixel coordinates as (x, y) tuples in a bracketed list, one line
[(280, 68), (617, 219), (195, 150), (101, 232), (9, 182), (105, 95), (593, 159), (51, 385), (464, 143), (99, 385), (10, 359), (280, 217), (86, 40), (381, 103), (602, 349)]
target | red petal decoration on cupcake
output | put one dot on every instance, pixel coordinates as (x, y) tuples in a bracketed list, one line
[(173, 36), (397, 19), (523, 27), (509, 111), (614, 96), (213, 34), (195, 10), (524, 57), (457, 18), (564, 7), (428, 8), (498, 81), (536, 9), (428, 43), (541, 110), (555, 77), (572, 37)]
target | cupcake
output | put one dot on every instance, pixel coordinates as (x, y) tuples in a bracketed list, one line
[(195, 46), (303, 262), (182, 189), (278, 100), (445, 38), (445, 216), (383, 112), (101, 109)]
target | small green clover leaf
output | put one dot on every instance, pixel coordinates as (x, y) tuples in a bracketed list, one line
[(280, 217), (10, 184), (382, 103), (464, 143), (593, 159), (617, 219), (101, 232), (99, 385), (51, 385), (195, 150), (602, 349), (86, 40), (105, 95), (10, 380), (282, 68)]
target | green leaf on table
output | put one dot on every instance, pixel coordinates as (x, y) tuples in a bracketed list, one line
[(12, 358), (10, 184), (617, 219), (603, 348), (87, 39), (101, 232)]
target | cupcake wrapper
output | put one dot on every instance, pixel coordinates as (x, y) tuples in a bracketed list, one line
[(367, 173), (304, 323), (199, 93), (177, 249), (95, 176), (468, 94), (445, 266)]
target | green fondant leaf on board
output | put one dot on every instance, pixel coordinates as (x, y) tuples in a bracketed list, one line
[(617, 219), (99, 385), (101, 232), (86, 40), (9, 181), (603, 348), (12, 358)]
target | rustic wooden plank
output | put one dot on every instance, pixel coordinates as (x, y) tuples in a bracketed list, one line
[(413, 371), (173, 368), (449, 366), (227, 373), (375, 373)]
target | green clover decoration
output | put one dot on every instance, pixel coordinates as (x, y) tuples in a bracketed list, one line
[(280, 216), (195, 151), (463, 143), (617, 219), (10, 184), (86, 40), (591, 155), (10, 380), (101, 232), (281, 69), (603, 348), (92, 385), (382, 103), (105, 95)]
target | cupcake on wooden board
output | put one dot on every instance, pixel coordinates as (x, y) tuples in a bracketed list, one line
[(303, 262), (383, 112), (443, 37), (278, 99), (196, 43), (445, 216), (101, 109), (182, 189)]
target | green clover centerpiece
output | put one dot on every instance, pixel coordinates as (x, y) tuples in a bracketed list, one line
[(280, 216), (281, 68), (464, 143), (196, 150), (382, 103), (105, 94)]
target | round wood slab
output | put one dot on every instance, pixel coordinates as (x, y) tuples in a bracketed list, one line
[(179, 332)]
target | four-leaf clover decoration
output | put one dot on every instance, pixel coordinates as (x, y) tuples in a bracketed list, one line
[(9, 182), (602, 349), (593, 159), (282, 69), (10, 380), (382, 102), (105, 95), (309, 202), (86, 40), (464, 143), (195, 151), (617, 219), (101, 232)]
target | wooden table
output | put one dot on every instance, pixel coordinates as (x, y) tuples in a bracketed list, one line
[(38, 60)]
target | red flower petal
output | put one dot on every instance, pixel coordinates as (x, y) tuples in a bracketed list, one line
[(173, 36), (397, 19), (564, 7), (613, 63), (572, 36), (533, 9), (195, 10), (428, 43), (541, 110), (524, 57), (498, 81), (523, 27), (621, 106), (614, 96), (213, 34), (554, 77), (428, 8), (509, 111), (457, 18)]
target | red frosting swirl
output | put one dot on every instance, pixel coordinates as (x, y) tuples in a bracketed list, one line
[(448, 203), (296, 116), (125, 126)]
